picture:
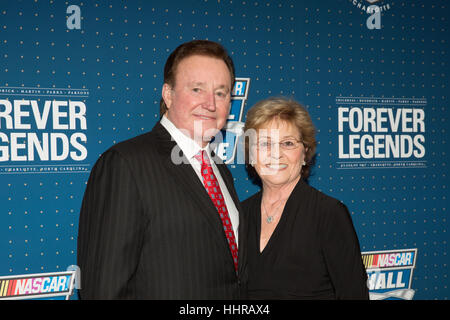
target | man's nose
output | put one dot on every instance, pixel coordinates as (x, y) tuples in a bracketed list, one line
[(210, 101)]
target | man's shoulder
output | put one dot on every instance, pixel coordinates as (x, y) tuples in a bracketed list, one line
[(135, 148), (135, 143)]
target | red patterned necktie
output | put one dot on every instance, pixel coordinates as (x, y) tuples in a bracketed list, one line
[(212, 187)]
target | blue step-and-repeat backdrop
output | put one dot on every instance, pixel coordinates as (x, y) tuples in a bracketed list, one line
[(79, 76)]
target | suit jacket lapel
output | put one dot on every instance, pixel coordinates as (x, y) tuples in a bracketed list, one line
[(188, 179)]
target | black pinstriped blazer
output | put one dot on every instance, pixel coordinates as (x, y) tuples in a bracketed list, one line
[(148, 229)]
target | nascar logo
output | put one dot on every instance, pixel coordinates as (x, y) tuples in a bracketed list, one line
[(37, 285), (390, 273), (225, 144)]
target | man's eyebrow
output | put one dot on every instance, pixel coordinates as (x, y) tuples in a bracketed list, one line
[(223, 86), (196, 83), (202, 84)]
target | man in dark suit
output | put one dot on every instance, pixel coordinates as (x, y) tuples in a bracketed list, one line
[(149, 225)]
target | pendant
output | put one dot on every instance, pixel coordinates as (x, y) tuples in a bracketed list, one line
[(269, 219)]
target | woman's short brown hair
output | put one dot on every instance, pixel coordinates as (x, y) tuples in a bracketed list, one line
[(287, 110), (191, 48)]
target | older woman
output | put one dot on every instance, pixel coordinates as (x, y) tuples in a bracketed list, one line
[(301, 242)]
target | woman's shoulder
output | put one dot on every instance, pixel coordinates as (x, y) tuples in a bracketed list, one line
[(251, 201), (330, 212), (322, 201)]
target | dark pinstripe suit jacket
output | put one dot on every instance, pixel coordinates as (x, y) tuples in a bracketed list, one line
[(148, 229)]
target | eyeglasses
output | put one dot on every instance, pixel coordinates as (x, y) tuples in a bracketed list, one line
[(288, 144)]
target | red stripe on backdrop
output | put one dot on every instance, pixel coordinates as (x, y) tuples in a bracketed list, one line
[(12, 287)]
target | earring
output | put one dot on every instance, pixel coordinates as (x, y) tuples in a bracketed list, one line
[(304, 163)]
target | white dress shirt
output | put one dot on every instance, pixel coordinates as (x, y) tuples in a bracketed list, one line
[(190, 148)]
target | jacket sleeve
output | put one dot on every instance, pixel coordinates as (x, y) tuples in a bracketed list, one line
[(342, 254), (110, 230)]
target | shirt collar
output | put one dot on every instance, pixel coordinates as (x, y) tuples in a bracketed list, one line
[(189, 147)]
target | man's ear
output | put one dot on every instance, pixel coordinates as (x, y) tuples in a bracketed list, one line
[(167, 94)]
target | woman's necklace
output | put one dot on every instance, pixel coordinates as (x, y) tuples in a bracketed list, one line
[(269, 219)]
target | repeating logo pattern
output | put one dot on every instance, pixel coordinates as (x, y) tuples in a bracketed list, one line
[(42, 285), (390, 273)]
